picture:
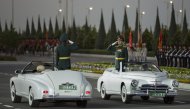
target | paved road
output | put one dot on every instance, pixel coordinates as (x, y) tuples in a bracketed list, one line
[(6, 71)]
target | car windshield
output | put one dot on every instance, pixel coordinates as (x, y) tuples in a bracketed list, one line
[(142, 67), (33, 65)]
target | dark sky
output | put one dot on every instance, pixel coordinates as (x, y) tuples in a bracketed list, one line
[(24, 9)]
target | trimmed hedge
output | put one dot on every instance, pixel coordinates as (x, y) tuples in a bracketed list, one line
[(7, 58)]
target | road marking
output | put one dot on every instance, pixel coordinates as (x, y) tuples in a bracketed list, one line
[(8, 106), (180, 102)]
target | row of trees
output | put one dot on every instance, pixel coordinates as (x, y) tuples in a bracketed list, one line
[(88, 37)]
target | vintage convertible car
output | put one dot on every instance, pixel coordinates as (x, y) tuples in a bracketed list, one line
[(139, 79), (39, 82)]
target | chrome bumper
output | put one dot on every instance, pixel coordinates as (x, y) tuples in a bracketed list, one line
[(67, 98), (149, 93)]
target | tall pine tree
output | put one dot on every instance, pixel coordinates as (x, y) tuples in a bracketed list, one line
[(57, 33), (185, 25), (99, 44), (136, 28), (173, 26), (0, 27), (63, 30), (39, 31), (27, 31), (112, 35), (125, 26), (44, 29), (74, 32), (6, 27), (33, 30), (157, 25), (50, 31)]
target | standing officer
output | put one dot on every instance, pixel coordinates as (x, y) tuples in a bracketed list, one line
[(63, 52), (121, 53)]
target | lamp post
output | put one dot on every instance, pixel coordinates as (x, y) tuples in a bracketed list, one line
[(66, 15), (142, 13), (60, 10), (89, 10), (13, 13)]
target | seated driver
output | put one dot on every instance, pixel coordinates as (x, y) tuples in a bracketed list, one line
[(40, 68)]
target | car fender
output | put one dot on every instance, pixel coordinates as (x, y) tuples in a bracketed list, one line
[(99, 82)]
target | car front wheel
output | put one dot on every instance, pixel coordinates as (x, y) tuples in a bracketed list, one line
[(14, 97), (124, 97), (169, 99), (103, 92), (32, 102)]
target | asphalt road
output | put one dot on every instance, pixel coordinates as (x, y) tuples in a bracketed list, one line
[(7, 71)]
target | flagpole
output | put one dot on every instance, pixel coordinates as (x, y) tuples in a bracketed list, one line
[(13, 13), (66, 19)]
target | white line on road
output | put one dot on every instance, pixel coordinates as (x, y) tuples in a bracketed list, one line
[(180, 102), (8, 106)]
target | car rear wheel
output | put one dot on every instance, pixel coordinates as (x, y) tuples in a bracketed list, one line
[(32, 102), (145, 97), (124, 97), (82, 103), (169, 99), (103, 92), (14, 97)]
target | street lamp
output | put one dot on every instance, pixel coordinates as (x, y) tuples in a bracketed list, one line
[(142, 13), (89, 10), (168, 3), (128, 6)]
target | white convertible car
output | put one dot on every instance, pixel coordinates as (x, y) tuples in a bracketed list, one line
[(139, 79), (39, 82)]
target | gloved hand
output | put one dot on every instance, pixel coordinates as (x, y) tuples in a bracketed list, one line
[(71, 42)]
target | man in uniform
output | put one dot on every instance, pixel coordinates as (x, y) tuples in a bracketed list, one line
[(121, 53), (63, 52)]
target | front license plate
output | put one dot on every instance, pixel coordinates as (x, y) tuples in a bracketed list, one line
[(158, 94)]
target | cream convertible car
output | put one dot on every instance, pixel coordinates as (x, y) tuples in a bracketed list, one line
[(38, 82), (138, 79)]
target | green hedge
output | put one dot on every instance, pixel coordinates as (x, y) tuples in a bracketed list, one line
[(7, 58)]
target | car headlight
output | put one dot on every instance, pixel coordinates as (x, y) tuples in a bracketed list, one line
[(134, 83), (175, 83)]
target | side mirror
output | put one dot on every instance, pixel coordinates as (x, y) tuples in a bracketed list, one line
[(18, 71)]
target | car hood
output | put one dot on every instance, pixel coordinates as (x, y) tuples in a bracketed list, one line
[(145, 74)]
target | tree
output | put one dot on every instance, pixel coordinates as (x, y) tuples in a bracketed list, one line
[(173, 26), (112, 36), (74, 32), (185, 30), (157, 25), (0, 27), (11, 27), (57, 32), (27, 32), (135, 38), (6, 27), (50, 31), (148, 39), (63, 30), (39, 31), (185, 25), (33, 30), (125, 23), (44, 28), (99, 44)]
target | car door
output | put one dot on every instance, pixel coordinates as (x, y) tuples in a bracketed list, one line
[(20, 84), (114, 81)]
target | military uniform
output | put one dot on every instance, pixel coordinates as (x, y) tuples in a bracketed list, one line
[(63, 53), (121, 55)]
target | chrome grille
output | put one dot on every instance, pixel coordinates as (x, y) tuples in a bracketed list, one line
[(154, 87)]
